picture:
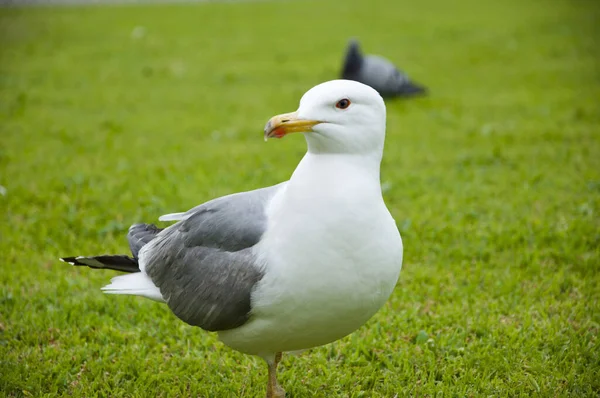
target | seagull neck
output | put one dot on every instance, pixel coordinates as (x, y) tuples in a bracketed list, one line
[(335, 167)]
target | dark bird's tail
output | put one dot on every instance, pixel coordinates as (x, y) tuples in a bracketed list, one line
[(116, 262), (352, 61)]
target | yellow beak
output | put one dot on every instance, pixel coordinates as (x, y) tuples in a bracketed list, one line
[(281, 125)]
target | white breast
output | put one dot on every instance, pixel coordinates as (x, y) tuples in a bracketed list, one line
[(332, 256)]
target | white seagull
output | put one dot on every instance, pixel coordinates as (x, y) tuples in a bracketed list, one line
[(288, 267)]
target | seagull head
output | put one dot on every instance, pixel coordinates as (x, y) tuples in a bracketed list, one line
[(338, 116)]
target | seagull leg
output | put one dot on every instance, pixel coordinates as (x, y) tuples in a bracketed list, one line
[(274, 390)]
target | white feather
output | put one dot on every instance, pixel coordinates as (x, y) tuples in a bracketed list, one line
[(137, 284), (173, 217)]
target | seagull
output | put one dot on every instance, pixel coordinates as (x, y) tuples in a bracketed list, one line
[(284, 268), (379, 73)]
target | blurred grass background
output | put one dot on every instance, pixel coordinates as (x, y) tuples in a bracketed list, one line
[(115, 115)]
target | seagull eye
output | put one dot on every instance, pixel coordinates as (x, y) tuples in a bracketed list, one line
[(343, 103)]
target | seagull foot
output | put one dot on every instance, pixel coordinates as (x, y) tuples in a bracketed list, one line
[(275, 391), (278, 392)]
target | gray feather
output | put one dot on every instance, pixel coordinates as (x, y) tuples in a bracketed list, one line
[(204, 265), (140, 235)]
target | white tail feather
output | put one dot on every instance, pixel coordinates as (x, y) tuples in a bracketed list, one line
[(137, 284)]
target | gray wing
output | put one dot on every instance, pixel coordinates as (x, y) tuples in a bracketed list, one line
[(204, 266), (140, 235)]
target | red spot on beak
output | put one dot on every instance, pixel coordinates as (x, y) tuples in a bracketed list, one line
[(279, 133)]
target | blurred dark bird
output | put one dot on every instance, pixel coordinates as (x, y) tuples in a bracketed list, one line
[(379, 73)]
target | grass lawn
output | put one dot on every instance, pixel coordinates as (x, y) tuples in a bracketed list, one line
[(116, 115)]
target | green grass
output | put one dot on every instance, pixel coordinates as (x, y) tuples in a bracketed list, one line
[(494, 180)]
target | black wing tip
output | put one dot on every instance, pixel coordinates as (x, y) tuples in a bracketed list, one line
[(74, 261), (69, 260), (116, 262)]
